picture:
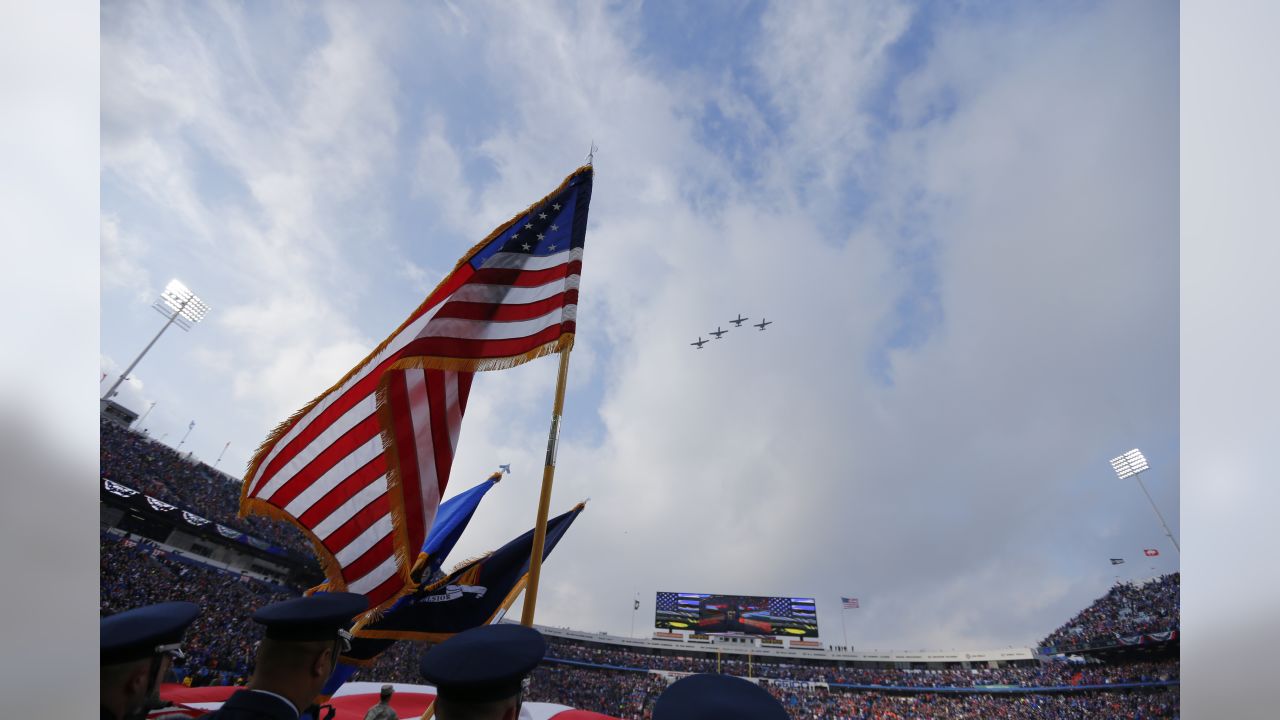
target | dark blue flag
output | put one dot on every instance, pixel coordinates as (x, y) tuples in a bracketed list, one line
[(477, 593), (451, 520)]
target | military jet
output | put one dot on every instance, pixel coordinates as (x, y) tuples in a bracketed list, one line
[(700, 342), (763, 323), (737, 322), (717, 332)]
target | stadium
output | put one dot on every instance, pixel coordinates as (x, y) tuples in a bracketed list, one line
[(169, 531), (861, 298)]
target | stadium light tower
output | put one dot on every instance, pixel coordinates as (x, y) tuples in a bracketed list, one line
[(1132, 464), (181, 307)]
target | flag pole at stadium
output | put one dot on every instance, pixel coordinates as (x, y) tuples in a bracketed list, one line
[(548, 475), (843, 610), (544, 500)]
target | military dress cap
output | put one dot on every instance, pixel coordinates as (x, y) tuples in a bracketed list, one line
[(323, 616), (485, 663), (717, 697), (146, 631)]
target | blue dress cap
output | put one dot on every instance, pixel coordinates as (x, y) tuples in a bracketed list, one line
[(313, 618), (486, 663), (138, 633), (717, 697)]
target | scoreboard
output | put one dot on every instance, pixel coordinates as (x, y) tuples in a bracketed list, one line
[(737, 614)]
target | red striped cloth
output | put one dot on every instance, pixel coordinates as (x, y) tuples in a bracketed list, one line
[(361, 468), (351, 702)]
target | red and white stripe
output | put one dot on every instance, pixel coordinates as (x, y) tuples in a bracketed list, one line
[(349, 702), (329, 470)]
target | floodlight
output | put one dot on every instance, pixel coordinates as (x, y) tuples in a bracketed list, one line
[(182, 307), (1133, 464), (1129, 464), (179, 304)]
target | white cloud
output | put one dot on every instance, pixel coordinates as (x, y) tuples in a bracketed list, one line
[(819, 64), (776, 462), (122, 255)]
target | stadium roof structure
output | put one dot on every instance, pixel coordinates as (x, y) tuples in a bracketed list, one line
[(727, 648)]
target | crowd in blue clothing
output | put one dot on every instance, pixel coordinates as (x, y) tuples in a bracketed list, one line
[(630, 695), (1040, 675), (1126, 610), (842, 705), (134, 460), (220, 647), (220, 644), (617, 693)]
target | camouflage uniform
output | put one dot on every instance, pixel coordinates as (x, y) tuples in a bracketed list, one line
[(381, 711)]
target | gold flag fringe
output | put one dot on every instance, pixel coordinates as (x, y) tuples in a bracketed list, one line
[(328, 563), (280, 430), (332, 569)]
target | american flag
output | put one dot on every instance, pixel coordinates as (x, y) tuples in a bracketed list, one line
[(361, 469), (849, 603)]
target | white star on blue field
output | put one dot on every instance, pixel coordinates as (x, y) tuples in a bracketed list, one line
[(961, 222)]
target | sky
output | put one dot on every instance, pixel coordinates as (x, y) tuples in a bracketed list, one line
[(962, 220)]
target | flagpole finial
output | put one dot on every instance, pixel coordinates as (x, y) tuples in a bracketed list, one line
[(592, 153)]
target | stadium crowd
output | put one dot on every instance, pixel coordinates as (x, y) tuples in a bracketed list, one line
[(619, 693), (398, 664), (134, 460), (630, 695), (1127, 609), (840, 705), (1048, 675), (219, 646)]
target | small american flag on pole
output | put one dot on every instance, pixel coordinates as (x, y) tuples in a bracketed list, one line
[(361, 469), (849, 603)]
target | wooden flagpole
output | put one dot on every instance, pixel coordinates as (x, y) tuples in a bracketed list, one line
[(544, 501)]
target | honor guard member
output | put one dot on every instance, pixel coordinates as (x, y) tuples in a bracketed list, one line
[(303, 639), (717, 697), (481, 674), (138, 646)]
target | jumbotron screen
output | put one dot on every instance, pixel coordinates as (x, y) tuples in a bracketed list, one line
[(740, 614)]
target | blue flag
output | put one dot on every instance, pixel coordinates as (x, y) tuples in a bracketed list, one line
[(474, 594), (451, 519)]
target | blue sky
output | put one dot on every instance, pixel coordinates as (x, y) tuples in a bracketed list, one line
[(962, 219)]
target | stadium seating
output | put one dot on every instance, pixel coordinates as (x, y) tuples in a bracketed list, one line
[(1127, 612), (621, 679), (141, 463)]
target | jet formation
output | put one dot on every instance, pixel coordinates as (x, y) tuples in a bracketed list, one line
[(737, 323)]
